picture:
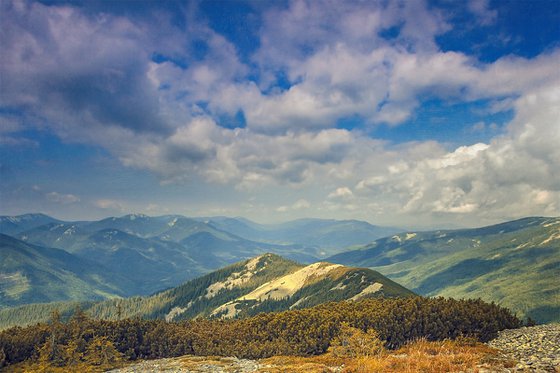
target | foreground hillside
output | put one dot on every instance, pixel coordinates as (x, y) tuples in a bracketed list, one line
[(525, 349), (516, 264), (261, 284), (344, 328)]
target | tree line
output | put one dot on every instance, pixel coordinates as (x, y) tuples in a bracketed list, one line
[(83, 340)]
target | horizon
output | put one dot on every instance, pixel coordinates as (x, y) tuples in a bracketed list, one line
[(394, 113), (418, 228)]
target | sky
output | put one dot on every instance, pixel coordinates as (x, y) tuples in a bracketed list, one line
[(404, 113)]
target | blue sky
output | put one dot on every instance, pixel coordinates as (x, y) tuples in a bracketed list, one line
[(405, 113)]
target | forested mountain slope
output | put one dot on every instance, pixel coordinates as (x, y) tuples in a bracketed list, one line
[(261, 284), (30, 274), (516, 264)]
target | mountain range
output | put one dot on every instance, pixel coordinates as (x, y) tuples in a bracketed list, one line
[(515, 264), (146, 254), (329, 235)]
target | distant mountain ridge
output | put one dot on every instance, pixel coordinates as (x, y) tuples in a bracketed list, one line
[(515, 264), (11, 225), (327, 234)]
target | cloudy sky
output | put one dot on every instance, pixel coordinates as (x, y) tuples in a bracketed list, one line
[(404, 113)]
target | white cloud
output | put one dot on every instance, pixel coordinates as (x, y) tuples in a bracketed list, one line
[(515, 175), (350, 70), (341, 193), (18, 142), (238, 156), (167, 116), (300, 204), (109, 204), (62, 198)]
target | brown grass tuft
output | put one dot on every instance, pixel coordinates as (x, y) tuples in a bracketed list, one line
[(424, 356), (417, 356)]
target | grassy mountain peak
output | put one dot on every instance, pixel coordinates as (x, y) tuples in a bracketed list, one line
[(264, 283)]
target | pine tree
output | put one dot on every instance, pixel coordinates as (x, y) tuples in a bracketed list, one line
[(74, 353), (102, 352), (52, 352), (353, 342)]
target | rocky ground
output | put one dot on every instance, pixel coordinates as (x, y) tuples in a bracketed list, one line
[(192, 364), (535, 348)]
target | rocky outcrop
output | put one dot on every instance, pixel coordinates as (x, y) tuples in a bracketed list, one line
[(536, 348)]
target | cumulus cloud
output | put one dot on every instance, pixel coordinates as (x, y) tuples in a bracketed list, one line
[(351, 73), (239, 156), (112, 82), (156, 103), (515, 175), (336, 62), (50, 69), (341, 193)]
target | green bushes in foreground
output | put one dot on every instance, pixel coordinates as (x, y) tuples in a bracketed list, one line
[(295, 332)]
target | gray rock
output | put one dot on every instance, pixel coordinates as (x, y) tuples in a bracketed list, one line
[(536, 349)]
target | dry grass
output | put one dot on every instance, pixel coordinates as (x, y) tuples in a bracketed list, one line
[(37, 368), (314, 364), (419, 356), (424, 356)]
